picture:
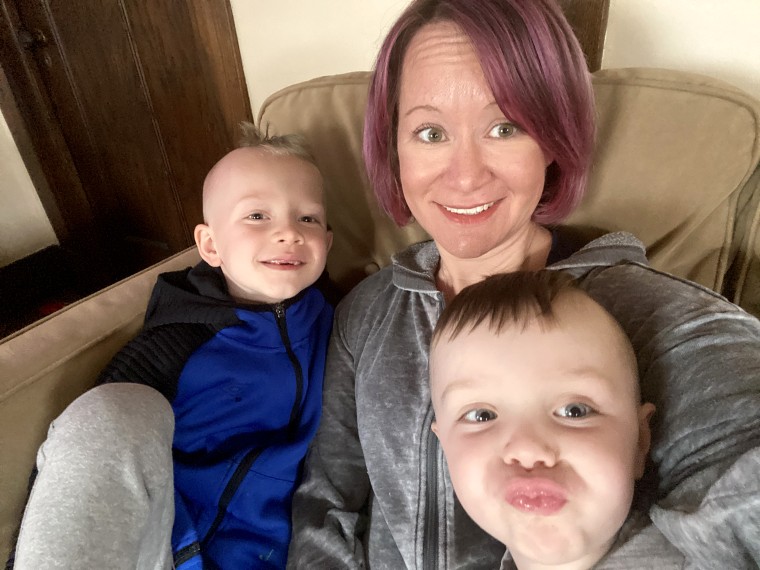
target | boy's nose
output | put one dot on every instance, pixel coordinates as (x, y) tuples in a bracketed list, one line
[(288, 233), (529, 447)]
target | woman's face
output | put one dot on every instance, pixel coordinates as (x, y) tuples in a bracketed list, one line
[(470, 176)]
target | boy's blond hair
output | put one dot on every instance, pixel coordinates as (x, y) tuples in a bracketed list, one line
[(281, 145)]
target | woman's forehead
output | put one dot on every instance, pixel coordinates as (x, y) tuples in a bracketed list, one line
[(440, 43), (441, 64)]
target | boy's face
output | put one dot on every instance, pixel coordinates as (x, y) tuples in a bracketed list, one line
[(265, 224), (543, 432)]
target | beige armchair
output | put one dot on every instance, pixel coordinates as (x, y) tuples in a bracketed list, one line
[(676, 164)]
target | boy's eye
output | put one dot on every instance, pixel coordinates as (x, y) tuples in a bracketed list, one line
[(479, 415), (574, 411), (429, 134), (309, 219), (503, 131)]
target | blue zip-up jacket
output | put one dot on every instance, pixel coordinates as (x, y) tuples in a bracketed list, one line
[(245, 384)]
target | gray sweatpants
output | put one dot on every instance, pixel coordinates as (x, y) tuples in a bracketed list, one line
[(104, 494)]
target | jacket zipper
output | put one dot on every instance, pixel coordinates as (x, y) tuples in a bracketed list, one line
[(430, 533), (186, 554), (279, 313), (229, 492), (242, 469)]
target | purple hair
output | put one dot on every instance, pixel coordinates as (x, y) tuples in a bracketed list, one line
[(537, 72)]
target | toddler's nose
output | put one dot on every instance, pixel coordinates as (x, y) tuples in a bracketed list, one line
[(529, 447)]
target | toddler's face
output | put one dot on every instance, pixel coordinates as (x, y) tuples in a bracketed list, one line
[(543, 432), (266, 225)]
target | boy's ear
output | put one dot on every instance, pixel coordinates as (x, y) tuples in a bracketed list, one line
[(329, 239), (646, 411), (434, 428), (204, 239)]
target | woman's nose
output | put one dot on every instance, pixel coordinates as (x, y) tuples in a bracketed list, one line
[(530, 447), (468, 169)]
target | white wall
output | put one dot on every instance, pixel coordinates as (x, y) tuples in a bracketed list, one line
[(286, 41), (24, 227), (720, 38)]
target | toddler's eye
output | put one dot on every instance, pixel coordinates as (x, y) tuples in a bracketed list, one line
[(309, 219), (255, 216), (430, 134), (574, 411), (503, 131), (479, 415)]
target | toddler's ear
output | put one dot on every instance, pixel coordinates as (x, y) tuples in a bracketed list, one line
[(204, 239), (329, 239), (646, 411)]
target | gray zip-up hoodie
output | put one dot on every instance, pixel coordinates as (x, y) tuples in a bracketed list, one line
[(377, 492)]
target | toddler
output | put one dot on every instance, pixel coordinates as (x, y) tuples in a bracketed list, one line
[(536, 397), (236, 345)]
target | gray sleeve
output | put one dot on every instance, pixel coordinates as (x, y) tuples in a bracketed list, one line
[(699, 362), (329, 505)]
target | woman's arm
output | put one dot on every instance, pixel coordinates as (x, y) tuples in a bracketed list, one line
[(699, 361), (328, 517)]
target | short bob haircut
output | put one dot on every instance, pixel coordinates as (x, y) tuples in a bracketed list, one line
[(537, 72)]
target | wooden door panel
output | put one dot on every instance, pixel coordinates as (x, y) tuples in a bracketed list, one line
[(196, 86), (95, 83), (148, 95), (589, 21)]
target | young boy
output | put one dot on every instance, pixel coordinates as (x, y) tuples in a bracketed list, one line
[(237, 346), (536, 396)]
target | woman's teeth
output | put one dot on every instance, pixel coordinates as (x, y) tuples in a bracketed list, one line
[(470, 211)]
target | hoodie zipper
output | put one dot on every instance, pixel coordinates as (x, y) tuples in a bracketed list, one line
[(430, 532), (229, 492), (430, 536), (245, 465), (279, 313)]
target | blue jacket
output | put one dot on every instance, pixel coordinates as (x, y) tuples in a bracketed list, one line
[(245, 384)]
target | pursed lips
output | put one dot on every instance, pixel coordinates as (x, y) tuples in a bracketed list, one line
[(536, 495)]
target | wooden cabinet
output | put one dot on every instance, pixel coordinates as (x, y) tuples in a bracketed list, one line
[(127, 104)]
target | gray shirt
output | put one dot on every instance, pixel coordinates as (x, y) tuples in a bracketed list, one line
[(376, 490)]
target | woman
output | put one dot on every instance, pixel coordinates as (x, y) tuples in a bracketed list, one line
[(480, 126)]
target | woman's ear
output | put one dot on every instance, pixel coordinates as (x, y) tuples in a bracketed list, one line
[(204, 239), (646, 411)]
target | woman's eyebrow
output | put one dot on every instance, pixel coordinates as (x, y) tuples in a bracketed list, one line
[(421, 108)]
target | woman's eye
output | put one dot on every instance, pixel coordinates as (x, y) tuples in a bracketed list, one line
[(503, 131), (479, 415), (574, 411), (430, 134)]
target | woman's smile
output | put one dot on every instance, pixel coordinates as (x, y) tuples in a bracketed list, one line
[(470, 215)]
